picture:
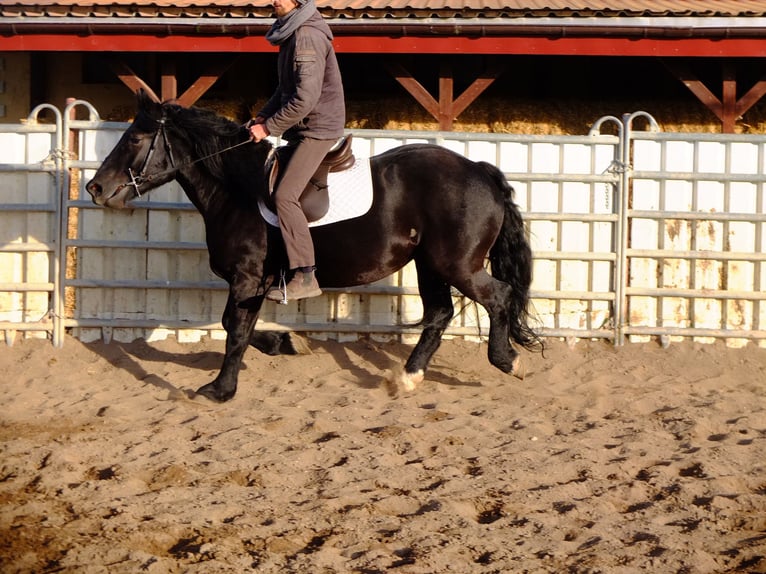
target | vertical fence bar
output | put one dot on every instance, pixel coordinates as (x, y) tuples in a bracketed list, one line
[(621, 306), (69, 153), (619, 207), (59, 256), (57, 296), (621, 245), (758, 243)]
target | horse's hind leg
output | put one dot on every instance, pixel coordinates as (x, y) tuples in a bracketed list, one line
[(274, 343), (437, 312), (494, 295)]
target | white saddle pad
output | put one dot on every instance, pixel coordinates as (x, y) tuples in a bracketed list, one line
[(350, 194)]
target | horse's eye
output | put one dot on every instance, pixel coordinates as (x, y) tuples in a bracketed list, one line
[(135, 140)]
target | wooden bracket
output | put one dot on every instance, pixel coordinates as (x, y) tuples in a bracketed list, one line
[(131, 79), (169, 81), (446, 109), (209, 77), (728, 109)]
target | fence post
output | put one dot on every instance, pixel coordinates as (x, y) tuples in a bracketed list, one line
[(57, 297), (70, 152), (621, 319), (618, 166)]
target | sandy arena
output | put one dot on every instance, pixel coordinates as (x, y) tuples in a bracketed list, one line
[(602, 460)]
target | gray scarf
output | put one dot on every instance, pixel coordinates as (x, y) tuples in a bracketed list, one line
[(285, 27)]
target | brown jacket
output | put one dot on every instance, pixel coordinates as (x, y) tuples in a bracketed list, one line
[(309, 100)]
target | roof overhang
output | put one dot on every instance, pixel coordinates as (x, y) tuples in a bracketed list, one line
[(614, 36)]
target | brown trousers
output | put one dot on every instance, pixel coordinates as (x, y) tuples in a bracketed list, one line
[(304, 162)]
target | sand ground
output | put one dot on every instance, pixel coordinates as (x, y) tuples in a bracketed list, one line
[(603, 459)]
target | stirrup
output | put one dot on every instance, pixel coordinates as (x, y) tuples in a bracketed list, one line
[(282, 288)]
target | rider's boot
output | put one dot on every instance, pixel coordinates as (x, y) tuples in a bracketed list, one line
[(301, 286)]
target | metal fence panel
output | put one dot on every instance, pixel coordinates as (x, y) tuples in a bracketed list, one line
[(165, 243), (639, 234), (697, 251), (567, 195), (143, 272), (29, 225)]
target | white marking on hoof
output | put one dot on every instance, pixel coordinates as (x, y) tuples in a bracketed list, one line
[(400, 379), (410, 380), (519, 371)]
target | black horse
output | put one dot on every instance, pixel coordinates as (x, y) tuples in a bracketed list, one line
[(430, 205)]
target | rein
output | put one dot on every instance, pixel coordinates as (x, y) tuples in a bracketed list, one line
[(141, 178)]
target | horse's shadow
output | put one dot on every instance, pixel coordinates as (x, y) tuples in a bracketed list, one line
[(368, 364), (132, 358), (379, 361)]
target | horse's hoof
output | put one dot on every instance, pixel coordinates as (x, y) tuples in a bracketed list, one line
[(406, 381), (518, 369), (212, 392), (294, 344)]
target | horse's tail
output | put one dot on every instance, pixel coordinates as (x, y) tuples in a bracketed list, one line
[(511, 261)]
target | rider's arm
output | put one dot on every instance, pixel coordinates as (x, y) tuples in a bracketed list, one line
[(308, 68)]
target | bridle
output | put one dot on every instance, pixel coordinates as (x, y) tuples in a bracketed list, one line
[(140, 178), (137, 179)]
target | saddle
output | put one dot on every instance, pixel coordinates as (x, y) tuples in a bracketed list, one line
[(315, 199)]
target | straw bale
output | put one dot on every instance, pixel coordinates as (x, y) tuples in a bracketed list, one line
[(507, 115)]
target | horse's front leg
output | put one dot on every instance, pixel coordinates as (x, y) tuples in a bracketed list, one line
[(238, 323)]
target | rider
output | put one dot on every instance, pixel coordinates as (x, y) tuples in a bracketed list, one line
[(308, 111)]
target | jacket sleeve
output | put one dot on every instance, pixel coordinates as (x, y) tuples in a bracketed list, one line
[(272, 105), (308, 68)]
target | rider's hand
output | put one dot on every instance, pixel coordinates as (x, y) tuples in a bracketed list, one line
[(258, 131)]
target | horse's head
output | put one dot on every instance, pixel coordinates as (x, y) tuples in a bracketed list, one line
[(142, 160)]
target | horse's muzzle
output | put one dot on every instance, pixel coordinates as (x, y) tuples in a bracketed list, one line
[(117, 199)]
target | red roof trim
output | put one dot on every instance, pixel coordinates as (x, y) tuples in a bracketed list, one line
[(698, 47)]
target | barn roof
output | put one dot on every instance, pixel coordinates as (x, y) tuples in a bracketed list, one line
[(734, 28), (395, 8)]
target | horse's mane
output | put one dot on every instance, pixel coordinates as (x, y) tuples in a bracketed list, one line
[(238, 169)]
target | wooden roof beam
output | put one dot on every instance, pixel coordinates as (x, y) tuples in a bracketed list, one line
[(728, 109), (169, 81), (131, 79), (206, 80), (446, 109)]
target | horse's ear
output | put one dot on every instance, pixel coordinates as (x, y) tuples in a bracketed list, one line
[(146, 101)]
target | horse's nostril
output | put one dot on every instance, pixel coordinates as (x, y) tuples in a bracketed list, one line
[(93, 188)]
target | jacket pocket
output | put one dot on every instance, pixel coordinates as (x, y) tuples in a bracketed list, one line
[(305, 62)]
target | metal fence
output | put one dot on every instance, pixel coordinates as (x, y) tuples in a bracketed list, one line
[(31, 185), (695, 251), (635, 234)]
